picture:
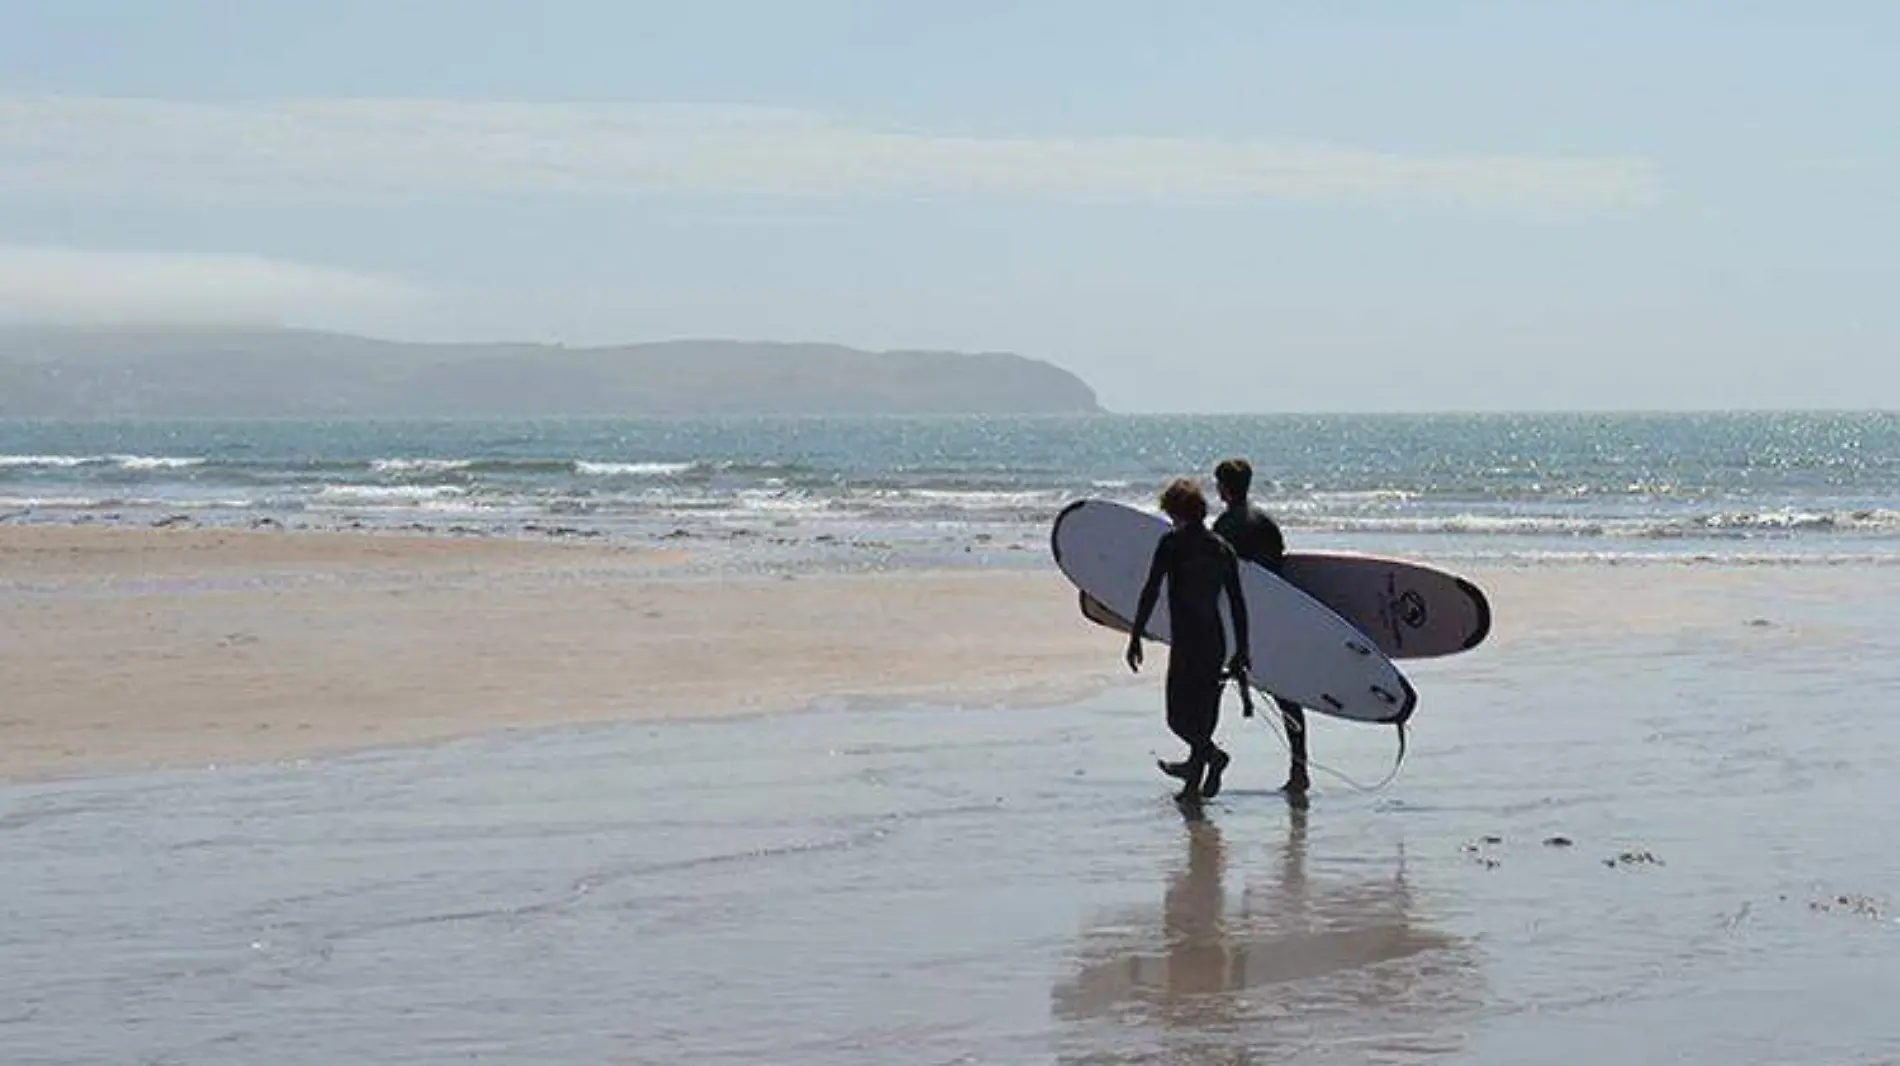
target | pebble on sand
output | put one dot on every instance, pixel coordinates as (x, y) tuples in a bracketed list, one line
[(1634, 858)]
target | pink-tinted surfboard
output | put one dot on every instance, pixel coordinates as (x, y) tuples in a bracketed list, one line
[(1411, 611)]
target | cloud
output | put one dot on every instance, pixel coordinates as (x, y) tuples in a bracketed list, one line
[(330, 151), (73, 286)]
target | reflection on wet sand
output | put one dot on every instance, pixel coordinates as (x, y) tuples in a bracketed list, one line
[(1315, 967)]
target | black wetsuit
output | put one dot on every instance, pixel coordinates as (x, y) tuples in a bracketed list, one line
[(1199, 566), (1257, 538), (1254, 535)]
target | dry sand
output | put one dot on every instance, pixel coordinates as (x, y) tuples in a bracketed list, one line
[(124, 648), (133, 647)]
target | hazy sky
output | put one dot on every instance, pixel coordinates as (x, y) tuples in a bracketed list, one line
[(1200, 206)]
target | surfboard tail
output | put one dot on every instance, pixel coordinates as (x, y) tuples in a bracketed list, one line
[(1408, 702), (1483, 605)]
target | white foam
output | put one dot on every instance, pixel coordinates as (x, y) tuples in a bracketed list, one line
[(1789, 519), (125, 462), (780, 503), (1522, 525), (56, 461), (386, 494), (62, 502), (1365, 496), (969, 499), (1679, 558), (418, 466), (157, 462), (588, 468)]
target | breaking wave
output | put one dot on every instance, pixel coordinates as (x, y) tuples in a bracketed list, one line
[(586, 468), (1718, 525), (122, 462)]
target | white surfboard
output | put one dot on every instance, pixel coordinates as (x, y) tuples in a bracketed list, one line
[(1410, 610), (1301, 650)]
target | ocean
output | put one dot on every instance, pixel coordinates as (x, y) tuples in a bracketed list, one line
[(1725, 487)]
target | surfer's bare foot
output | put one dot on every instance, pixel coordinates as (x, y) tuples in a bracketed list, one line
[(1296, 784), (1216, 763)]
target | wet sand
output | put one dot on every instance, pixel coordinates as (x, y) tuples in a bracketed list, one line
[(1649, 822)]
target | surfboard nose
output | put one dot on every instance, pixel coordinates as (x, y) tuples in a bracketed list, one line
[(1055, 529)]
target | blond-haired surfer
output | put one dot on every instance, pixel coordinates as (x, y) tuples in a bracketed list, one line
[(1199, 566)]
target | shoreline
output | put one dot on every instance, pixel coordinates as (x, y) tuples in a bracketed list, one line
[(129, 649)]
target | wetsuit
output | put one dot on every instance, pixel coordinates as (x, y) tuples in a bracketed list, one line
[(1254, 535), (1199, 566), (1257, 538)]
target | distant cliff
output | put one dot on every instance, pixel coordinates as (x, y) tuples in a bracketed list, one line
[(97, 373)]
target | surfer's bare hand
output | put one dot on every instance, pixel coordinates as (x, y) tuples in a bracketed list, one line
[(1134, 655)]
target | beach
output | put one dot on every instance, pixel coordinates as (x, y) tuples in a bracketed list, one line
[(375, 797), (131, 648), (180, 647), (779, 741)]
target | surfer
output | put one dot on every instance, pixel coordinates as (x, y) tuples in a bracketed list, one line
[(1255, 536), (1199, 566)]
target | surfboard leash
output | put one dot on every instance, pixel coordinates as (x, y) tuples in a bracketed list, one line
[(1246, 711)]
